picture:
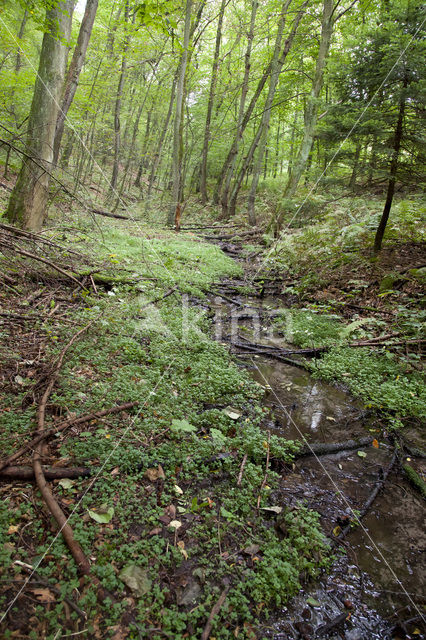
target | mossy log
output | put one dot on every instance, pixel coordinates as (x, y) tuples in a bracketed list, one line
[(415, 479)]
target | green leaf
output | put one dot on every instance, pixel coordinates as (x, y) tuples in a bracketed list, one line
[(136, 579), (218, 437), (66, 483), (362, 454), (102, 515), (183, 425), (231, 413), (313, 602)]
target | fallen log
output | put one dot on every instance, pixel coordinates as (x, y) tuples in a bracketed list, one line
[(271, 354), (108, 214), (274, 351), (51, 473), (414, 479), (324, 449)]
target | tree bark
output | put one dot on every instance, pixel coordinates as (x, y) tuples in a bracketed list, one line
[(261, 134), (229, 164), (157, 152), (311, 111), (392, 175), (277, 63), (73, 74), (27, 204), (352, 181), (213, 81), (117, 123), (177, 129)]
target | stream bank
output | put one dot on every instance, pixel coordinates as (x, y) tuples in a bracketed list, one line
[(374, 589)]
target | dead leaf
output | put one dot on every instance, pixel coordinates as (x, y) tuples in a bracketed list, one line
[(120, 633), (155, 531), (136, 579), (44, 595), (252, 549), (170, 510), (154, 474), (14, 528), (181, 546)]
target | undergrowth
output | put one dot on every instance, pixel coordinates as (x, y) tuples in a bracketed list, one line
[(165, 473)]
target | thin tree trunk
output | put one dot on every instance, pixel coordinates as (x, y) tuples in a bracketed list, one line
[(27, 204), (373, 161), (352, 181), (229, 164), (18, 64), (392, 175), (311, 111), (293, 137), (277, 151), (157, 152), (73, 74), (117, 123), (142, 163), (213, 81), (277, 62), (260, 137), (177, 130)]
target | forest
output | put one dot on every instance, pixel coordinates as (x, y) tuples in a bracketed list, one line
[(212, 319)]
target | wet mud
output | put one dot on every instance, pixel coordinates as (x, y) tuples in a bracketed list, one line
[(375, 588)]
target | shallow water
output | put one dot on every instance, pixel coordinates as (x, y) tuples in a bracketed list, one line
[(382, 575)]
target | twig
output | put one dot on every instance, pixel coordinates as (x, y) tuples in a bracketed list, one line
[(166, 295), (216, 608), (46, 492), (45, 261), (373, 495), (61, 427), (266, 471), (39, 580), (240, 475)]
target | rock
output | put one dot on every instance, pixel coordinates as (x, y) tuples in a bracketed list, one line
[(354, 634)]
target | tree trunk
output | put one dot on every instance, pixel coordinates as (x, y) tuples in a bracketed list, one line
[(142, 163), (213, 81), (74, 70), (18, 65), (117, 123), (392, 175), (293, 137), (229, 164), (311, 111), (27, 204), (277, 62), (157, 152), (177, 129), (352, 181)]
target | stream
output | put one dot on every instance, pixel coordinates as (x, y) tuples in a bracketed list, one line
[(374, 589)]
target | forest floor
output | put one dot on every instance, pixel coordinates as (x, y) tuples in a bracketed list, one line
[(175, 493)]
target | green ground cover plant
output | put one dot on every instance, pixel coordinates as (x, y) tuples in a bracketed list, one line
[(163, 504)]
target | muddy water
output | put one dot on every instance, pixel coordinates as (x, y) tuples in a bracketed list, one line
[(378, 583)]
